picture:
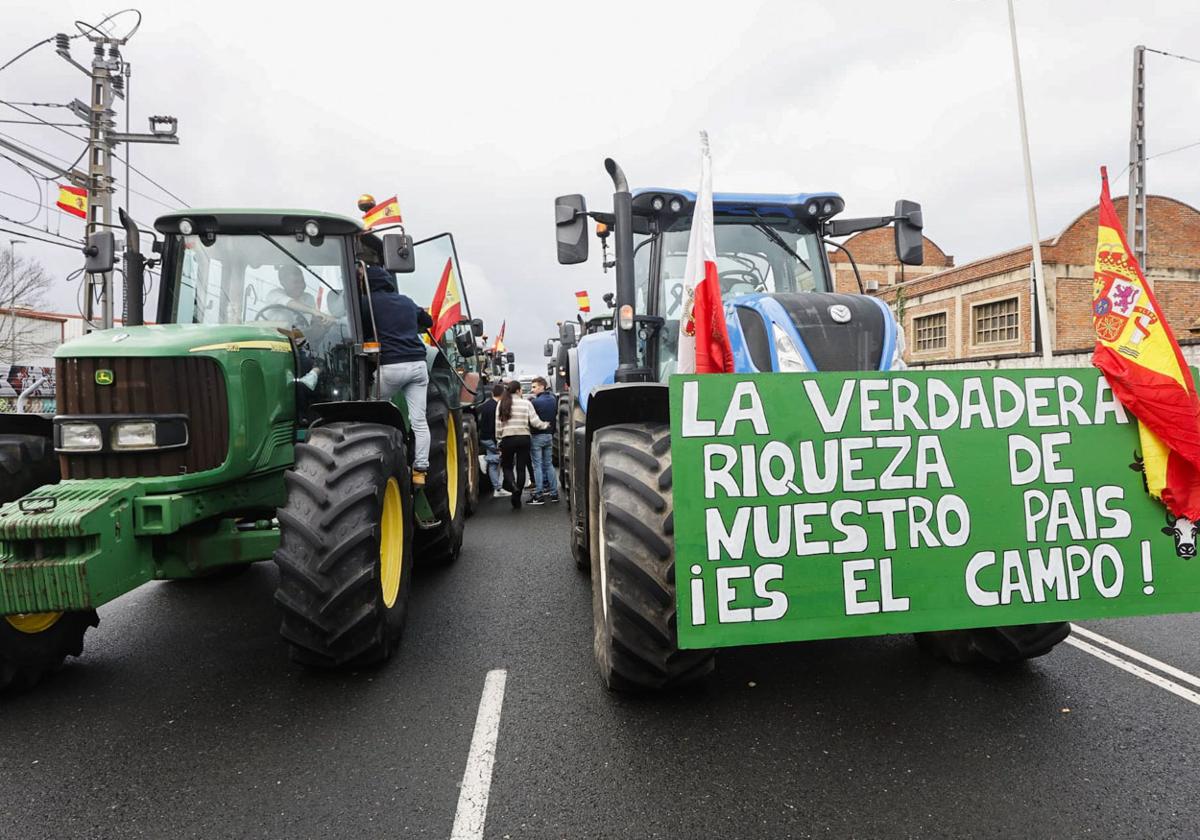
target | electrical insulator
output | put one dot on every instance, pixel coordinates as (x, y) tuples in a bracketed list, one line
[(118, 83), (62, 42)]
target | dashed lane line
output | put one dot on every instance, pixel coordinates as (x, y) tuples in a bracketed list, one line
[(477, 778), (1137, 670)]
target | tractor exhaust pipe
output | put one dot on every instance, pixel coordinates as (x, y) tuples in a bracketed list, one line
[(627, 361), (135, 272)]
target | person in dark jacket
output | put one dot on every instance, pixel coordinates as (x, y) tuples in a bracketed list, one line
[(487, 437), (545, 482), (402, 367)]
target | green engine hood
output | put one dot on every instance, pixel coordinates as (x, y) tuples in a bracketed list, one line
[(175, 340)]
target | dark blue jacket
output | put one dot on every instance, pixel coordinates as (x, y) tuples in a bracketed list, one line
[(546, 406), (398, 318), (487, 419)]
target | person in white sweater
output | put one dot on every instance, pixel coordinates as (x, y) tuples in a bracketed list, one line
[(515, 421)]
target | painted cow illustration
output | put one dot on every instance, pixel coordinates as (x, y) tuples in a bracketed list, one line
[(1184, 532)]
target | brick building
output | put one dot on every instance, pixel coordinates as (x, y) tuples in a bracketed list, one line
[(985, 308), (875, 253)]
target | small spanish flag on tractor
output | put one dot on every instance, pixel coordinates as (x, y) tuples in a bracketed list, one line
[(1141, 360), (386, 212), (585, 303), (498, 346), (73, 200), (446, 308)]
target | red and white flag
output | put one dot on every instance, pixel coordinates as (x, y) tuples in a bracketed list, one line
[(703, 338)]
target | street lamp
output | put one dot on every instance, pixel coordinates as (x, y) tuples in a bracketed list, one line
[(12, 311)]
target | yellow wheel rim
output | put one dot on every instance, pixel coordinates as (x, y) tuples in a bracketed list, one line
[(33, 622), (391, 543), (452, 464)]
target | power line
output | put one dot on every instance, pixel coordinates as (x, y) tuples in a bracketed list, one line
[(73, 247), (25, 52), (1173, 55), (182, 203), (1182, 148)]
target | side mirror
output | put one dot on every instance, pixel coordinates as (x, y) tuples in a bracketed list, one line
[(398, 253), (910, 245), (548, 349), (568, 334), (465, 342), (477, 327), (511, 367), (510, 357), (100, 253), (570, 221)]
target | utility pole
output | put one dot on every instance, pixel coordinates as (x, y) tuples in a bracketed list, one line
[(1136, 226), (12, 310), (1039, 280), (108, 75)]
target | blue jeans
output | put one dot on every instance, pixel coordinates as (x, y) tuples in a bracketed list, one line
[(491, 454), (411, 378), (544, 479)]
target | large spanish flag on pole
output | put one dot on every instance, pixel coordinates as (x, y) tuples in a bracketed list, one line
[(704, 340), (446, 308), (1142, 362)]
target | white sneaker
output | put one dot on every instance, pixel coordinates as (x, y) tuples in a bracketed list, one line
[(501, 493)]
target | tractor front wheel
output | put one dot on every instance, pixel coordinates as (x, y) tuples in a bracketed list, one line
[(35, 644), (994, 645), (345, 547), (632, 527), (470, 434), (572, 482), (27, 462)]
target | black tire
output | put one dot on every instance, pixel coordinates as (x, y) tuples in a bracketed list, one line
[(994, 645), (562, 424), (573, 483), (28, 655), (632, 519), (27, 462), (470, 435), (332, 574), (442, 543)]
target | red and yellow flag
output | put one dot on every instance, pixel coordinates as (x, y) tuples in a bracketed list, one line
[(499, 344), (1142, 362), (73, 200), (446, 308), (386, 212), (583, 301)]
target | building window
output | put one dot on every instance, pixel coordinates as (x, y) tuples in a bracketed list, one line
[(930, 332), (996, 322)]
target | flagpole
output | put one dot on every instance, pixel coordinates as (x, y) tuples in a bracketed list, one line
[(1039, 279)]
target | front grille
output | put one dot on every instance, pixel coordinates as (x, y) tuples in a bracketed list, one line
[(854, 345), (192, 386)]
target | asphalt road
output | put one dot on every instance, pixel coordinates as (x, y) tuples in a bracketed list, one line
[(185, 719)]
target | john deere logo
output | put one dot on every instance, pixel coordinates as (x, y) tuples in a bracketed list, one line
[(104, 377)]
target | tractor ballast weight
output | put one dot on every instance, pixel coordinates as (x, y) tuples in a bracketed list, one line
[(782, 316), (243, 426)]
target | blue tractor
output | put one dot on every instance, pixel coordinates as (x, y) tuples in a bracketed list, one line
[(783, 316)]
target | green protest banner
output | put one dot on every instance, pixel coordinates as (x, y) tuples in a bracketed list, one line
[(813, 506)]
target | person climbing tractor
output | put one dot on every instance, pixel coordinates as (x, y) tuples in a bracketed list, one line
[(402, 368)]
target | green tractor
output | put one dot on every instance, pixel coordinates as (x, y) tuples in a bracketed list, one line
[(242, 426)]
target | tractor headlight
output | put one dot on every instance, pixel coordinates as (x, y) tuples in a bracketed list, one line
[(186, 227), (676, 205), (312, 229), (135, 434), (790, 360), (658, 203), (80, 437)]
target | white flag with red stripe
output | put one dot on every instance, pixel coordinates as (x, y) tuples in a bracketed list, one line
[(703, 338)]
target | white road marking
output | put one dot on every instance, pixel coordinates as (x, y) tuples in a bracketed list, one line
[(1169, 670), (1137, 671), (477, 778)]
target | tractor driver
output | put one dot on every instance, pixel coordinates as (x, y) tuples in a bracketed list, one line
[(293, 294)]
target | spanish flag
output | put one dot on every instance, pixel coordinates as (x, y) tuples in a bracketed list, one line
[(499, 344), (73, 200), (585, 303), (384, 213), (1142, 362), (446, 308)]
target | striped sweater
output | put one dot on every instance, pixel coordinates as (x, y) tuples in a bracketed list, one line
[(524, 418)]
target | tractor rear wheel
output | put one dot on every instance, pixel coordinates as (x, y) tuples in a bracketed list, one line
[(27, 462), (994, 645), (632, 519), (345, 547), (470, 434), (445, 484), (35, 644), (572, 483)]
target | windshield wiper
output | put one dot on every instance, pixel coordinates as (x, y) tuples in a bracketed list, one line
[(774, 236), (298, 262)]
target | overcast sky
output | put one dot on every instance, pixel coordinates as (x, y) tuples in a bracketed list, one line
[(478, 114)]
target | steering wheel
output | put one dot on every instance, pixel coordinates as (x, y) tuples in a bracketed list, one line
[(734, 277), (289, 316)]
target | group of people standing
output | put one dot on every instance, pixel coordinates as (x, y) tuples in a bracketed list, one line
[(518, 439)]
